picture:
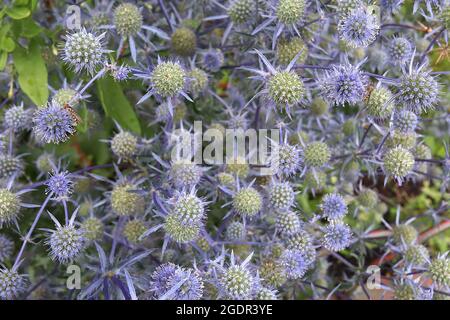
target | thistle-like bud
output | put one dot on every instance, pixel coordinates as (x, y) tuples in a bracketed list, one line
[(333, 206), (290, 11), (125, 202), (168, 79), (398, 162), (316, 154), (337, 236), (66, 243), (197, 81), (247, 201), (10, 165), (92, 229), (17, 119), (404, 233), (235, 231), (127, 19), (11, 284), (287, 223), (9, 206), (184, 42), (286, 88), (287, 50), (368, 198), (416, 254), (133, 230), (439, 269), (380, 104), (399, 50), (281, 195), (240, 11), (237, 282), (124, 145)]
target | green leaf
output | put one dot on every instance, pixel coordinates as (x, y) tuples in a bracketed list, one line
[(18, 12), (3, 59), (116, 104), (32, 72), (7, 45), (27, 28)]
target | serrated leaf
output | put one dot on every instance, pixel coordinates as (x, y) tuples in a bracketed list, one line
[(18, 13), (116, 104), (33, 78)]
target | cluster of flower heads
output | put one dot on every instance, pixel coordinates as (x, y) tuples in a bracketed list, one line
[(357, 92)]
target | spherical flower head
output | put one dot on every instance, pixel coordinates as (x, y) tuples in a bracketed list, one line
[(444, 17), (290, 11), (83, 51), (239, 167), (124, 145), (168, 79), (188, 208), (345, 7), (337, 236), (197, 81), (333, 206), (281, 195), (405, 291), (416, 254), (289, 161), (66, 243), (319, 106), (160, 278), (286, 88), (65, 96), (422, 151), (133, 230), (212, 60), (404, 234), (272, 272), (240, 11), (349, 127), (359, 28), (10, 165), (398, 162), (12, 284), (9, 206), (294, 263), (185, 175), (17, 119), (125, 202), (54, 124), (302, 242), (6, 248), (184, 42), (225, 179), (92, 229), (180, 232), (344, 84), (266, 294), (287, 223), (60, 185), (287, 50), (401, 139), (235, 231), (236, 282), (399, 50), (380, 103), (391, 5), (418, 91), (439, 270), (127, 19), (405, 121), (368, 198), (191, 287), (247, 201), (316, 154)]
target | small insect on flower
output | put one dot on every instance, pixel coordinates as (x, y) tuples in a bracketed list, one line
[(12, 284), (54, 124), (333, 206), (359, 28), (337, 236)]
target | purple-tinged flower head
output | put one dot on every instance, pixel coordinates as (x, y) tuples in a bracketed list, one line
[(236, 281), (12, 284), (391, 5), (266, 294), (54, 124), (160, 278), (289, 159), (83, 51), (17, 118), (247, 201), (398, 162), (185, 174), (60, 184), (189, 209), (333, 206), (287, 223), (10, 166), (197, 81), (345, 7), (212, 60), (120, 73), (294, 263), (418, 90), (405, 121), (235, 231), (10, 205), (337, 236), (281, 196), (178, 231), (303, 242), (399, 50), (359, 28), (344, 84), (6, 248)]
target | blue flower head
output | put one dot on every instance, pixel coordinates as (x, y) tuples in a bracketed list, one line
[(53, 124), (359, 29)]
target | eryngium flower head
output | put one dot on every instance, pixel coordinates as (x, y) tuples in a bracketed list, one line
[(286, 88), (287, 223), (405, 291), (418, 90), (333, 206), (398, 162), (197, 81), (9, 206), (133, 230), (235, 231), (185, 175), (302, 241), (404, 234), (124, 145), (168, 79), (126, 202), (439, 270), (17, 119), (127, 19), (266, 294), (83, 51), (53, 124), (344, 84), (11, 283), (368, 198), (290, 11), (6, 248), (247, 201), (405, 121), (281, 195), (10, 165), (289, 161), (288, 49), (180, 232), (399, 50), (189, 209), (345, 7), (380, 103), (176, 283), (416, 254), (236, 282), (212, 60), (316, 154), (240, 11), (184, 42), (401, 139), (337, 236), (66, 243), (294, 263), (92, 229), (65, 96), (60, 185), (359, 28)]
